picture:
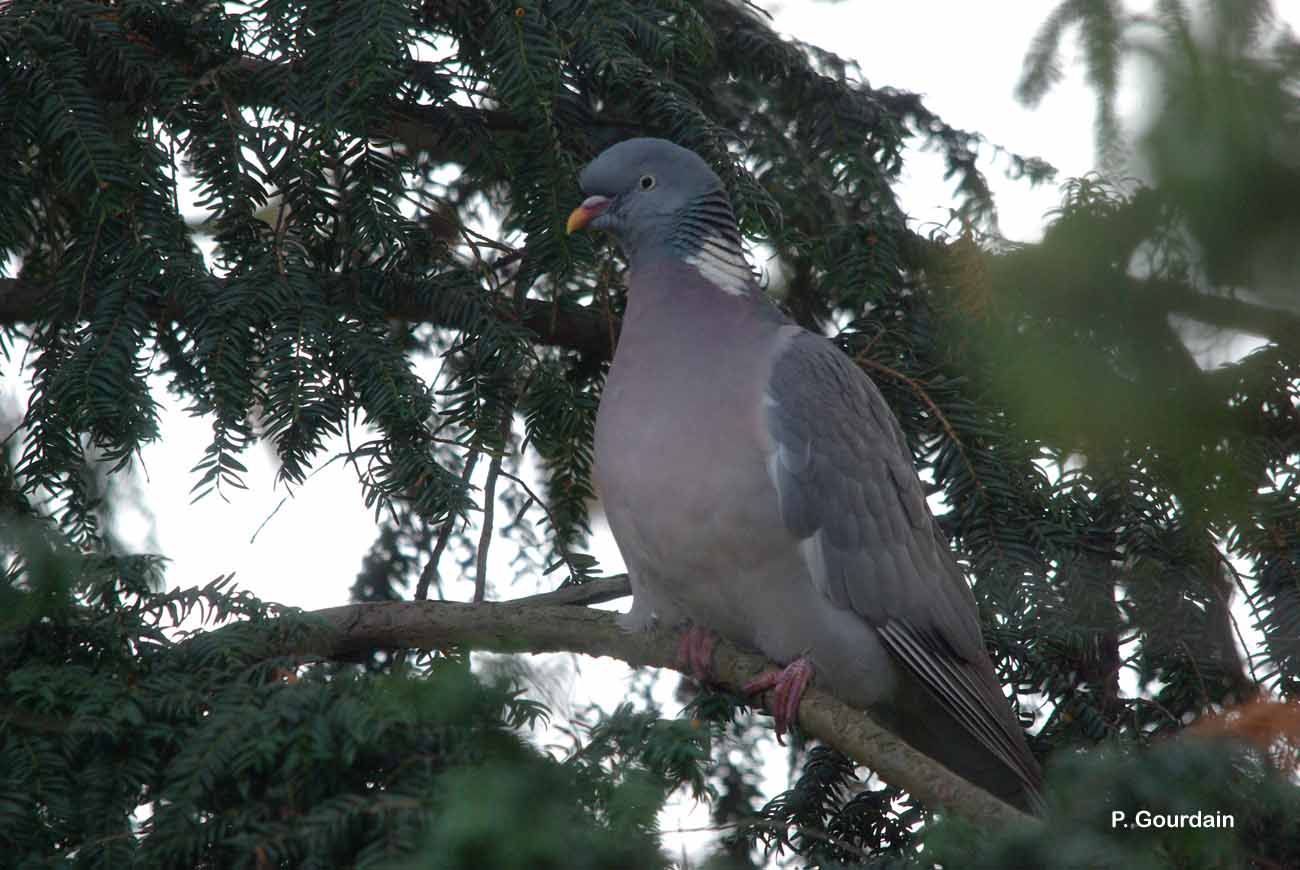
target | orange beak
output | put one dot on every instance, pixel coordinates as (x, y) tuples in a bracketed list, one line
[(592, 207)]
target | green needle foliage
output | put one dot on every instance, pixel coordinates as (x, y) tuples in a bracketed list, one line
[(380, 189)]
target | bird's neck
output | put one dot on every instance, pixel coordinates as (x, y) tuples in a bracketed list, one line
[(672, 308), (670, 295), (704, 237)]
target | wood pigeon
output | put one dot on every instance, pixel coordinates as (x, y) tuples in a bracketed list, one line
[(759, 487)]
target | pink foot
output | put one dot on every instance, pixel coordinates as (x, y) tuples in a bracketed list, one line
[(789, 685), (695, 651)]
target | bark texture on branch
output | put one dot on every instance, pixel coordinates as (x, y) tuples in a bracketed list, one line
[(532, 627), (572, 327)]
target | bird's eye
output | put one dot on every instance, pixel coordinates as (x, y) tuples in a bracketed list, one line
[(647, 182)]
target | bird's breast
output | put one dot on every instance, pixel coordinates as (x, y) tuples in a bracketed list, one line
[(679, 461)]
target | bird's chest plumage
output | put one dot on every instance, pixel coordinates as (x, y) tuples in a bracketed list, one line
[(679, 436)]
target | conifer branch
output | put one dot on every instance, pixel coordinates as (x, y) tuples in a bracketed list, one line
[(587, 329), (532, 626), (578, 328)]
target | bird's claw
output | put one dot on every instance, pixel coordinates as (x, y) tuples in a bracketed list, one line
[(695, 651), (788, 684)]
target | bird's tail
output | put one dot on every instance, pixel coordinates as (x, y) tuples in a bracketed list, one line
[(930, 727)]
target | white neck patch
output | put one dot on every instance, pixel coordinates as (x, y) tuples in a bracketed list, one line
[(722, 266)]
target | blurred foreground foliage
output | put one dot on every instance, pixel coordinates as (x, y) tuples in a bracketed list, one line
[(383, 184), (1206, 804), (135, 736), (1218, 141)]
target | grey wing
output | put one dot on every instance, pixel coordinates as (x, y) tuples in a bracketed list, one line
[(849, 492)]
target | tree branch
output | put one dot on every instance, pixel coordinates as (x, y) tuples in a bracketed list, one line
[(1224, 312), (252, 81), (526, 626), (572, 327), (582, 594)]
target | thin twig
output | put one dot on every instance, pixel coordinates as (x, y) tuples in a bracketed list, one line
[(584, 594), (507, 259), (269, 517), (444, 534), (489, 505), (346, 456), (90, 261), (485, 535), (486, 241), (603, 285), (565, 555), (452, 442), (1250, 601)]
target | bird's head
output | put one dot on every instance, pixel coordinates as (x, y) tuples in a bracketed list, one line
[(645, 192)]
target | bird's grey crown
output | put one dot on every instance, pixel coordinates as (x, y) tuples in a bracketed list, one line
[(618, 168)]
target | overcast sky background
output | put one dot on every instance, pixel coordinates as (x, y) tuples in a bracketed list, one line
[(964, 58)]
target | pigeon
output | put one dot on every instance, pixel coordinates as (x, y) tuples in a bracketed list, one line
[(760, 489)]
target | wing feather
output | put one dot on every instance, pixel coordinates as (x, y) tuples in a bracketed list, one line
[(848, 490)]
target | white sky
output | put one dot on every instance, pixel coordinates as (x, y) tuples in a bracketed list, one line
[(964, 58)]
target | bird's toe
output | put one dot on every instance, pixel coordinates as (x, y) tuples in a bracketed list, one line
[(788, 686), (695, 651)]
